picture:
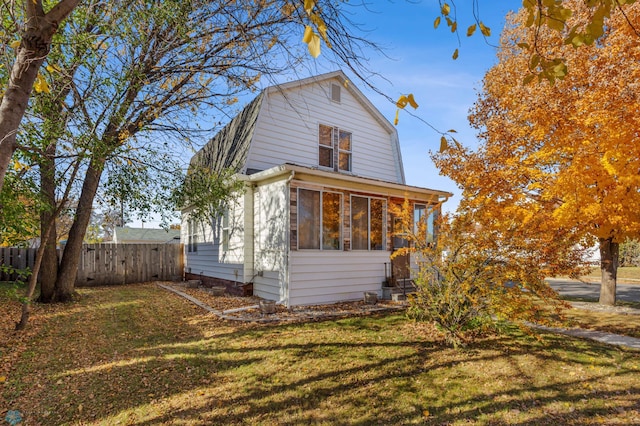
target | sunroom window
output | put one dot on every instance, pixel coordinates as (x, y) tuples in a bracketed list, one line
[(367, 223), (319, 224), (425, 224)]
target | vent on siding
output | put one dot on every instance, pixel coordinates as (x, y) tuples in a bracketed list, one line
[(335, 93)]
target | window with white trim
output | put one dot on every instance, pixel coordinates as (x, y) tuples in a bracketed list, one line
[(344, 151), (367, 223), (319, 224), (325, 148), (334, 148), (192, 236), (226, 230)]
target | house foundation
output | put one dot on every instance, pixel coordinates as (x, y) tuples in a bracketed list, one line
[(232, 287)]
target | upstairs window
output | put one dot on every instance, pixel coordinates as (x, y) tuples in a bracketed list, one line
[(325, 153), (334, 148), (344, 151)]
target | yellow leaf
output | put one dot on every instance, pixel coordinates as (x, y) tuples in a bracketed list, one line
[(446, 9), (308, 34), (395, 122), (412, 101), (486, 31), (313, 43), (471, 30), (14, 44), (41, 85), (402, 102), (436, 23), (308, 6), (443, 144), (3, 379), (53, 68), (455, 54)]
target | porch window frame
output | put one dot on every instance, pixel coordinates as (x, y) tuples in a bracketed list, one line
[(430, 220), (383, 245), (319, 230)]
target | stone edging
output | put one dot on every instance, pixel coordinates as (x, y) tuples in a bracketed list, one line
[(309, 316), (600, 336)]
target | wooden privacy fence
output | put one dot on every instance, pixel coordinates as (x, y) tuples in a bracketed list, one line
[(16, 258), (109, 264)]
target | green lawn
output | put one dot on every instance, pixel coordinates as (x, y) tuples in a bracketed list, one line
[(140, 355)]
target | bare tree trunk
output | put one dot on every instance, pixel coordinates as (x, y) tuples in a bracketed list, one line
[(36, 39), (49, 267), (68, 270), (33, 279), (609, 267)]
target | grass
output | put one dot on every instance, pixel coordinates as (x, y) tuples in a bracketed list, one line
[(630, 274), (140, 355)]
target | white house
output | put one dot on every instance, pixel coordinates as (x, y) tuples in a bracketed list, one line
[(321, 166)]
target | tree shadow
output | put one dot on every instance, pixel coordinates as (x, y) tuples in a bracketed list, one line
[(352, 371)]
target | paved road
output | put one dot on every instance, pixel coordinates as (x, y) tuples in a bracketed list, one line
[(591, 291)]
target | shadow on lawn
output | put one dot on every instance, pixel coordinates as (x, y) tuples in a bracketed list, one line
[(330, 396), (185, 367)]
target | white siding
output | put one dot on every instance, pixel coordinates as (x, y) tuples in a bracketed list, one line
[(271, 244), (210, 260), (324, 276), (287, 132)]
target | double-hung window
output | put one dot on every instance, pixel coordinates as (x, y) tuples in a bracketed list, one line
[(334, 148), (226, 230), (344, 151), (192, 237), (319, 224), (325, 153), (367, 223)]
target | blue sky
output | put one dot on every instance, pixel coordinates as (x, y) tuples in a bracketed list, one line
[(444, 89), (419, 62)]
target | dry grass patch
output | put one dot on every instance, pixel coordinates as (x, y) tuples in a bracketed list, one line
[(141, 355)]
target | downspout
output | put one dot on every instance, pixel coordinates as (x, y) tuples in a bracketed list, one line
[(287, 244), (249, 272)]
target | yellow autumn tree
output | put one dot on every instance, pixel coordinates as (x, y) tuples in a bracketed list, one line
[(561, 156), (479, 271)]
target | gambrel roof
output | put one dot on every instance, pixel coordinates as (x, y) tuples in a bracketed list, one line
[(230, 147)]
